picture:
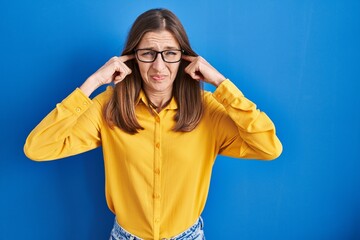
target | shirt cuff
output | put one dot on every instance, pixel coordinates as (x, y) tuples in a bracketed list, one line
[(227, 92), (77, 102)]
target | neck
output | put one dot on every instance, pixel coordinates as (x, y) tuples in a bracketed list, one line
[(158, 97), (158, 101)]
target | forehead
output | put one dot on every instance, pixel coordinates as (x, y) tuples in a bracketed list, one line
[(159, 39)]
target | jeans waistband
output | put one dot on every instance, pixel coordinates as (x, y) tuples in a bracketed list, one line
[(119, 233)]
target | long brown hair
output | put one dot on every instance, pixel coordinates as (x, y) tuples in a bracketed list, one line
[(120, 110)]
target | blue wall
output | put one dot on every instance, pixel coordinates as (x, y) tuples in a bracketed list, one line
[(298, 60)]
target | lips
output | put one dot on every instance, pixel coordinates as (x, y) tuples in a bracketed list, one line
[(158, 77)]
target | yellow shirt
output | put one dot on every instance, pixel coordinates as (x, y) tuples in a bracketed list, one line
[(157, 181)]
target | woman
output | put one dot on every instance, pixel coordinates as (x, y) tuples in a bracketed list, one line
[(160, 132)]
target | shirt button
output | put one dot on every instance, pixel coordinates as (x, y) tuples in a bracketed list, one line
[(157, 220), (157, 145), (84, 103), (218, 95), (77, 109), (157, 119), (225, 101), (157, 171), (156, 195)]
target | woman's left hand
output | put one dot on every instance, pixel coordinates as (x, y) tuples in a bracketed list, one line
[(200, 69)]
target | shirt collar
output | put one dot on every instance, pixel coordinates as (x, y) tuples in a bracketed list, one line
[(143, 99)]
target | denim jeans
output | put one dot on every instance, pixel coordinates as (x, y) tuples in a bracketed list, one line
[(195, 232)]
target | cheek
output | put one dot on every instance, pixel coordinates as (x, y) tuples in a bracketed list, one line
[(143, 70), (174, 70)]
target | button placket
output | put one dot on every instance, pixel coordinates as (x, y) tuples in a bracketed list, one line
[(157, 176)]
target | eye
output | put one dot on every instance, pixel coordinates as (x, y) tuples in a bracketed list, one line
[(147, 53), (171, 52)]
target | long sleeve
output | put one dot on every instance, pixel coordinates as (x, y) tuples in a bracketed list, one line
[(243, 131), (71, 128)]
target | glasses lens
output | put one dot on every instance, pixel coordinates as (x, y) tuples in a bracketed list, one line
[(172, 55), (146, 55)]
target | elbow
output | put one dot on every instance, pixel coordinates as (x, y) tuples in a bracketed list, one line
[(30, 149), (33, 153), (29, 153), (275, 152)]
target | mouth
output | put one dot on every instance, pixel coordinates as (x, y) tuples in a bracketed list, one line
[(158, 77)]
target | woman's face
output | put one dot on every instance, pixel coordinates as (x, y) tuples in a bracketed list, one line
[(158, 76)]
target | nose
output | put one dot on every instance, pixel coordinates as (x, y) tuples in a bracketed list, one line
[(159, 63)]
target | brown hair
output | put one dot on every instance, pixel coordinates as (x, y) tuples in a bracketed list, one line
[(120, 110)]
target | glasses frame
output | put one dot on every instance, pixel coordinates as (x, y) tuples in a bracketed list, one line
[(157, 53)]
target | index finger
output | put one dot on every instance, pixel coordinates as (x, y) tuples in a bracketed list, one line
[(188, 58), (125, 58)]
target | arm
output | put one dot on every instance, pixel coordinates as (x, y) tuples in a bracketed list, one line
[(74, 125), (241, 130), (71, 128)]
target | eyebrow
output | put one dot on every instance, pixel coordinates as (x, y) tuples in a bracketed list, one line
[(166, 48)]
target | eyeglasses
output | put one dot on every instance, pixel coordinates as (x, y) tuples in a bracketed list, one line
[(149, 56)]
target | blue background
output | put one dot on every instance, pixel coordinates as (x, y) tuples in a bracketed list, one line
[(298, 60)]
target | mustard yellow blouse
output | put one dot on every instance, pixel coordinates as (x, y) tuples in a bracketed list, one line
[(157, 181)]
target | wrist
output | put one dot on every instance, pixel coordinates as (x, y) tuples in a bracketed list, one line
[(219, 81), (89, 86)]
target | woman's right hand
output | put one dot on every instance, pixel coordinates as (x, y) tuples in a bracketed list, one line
[(114, 70)]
